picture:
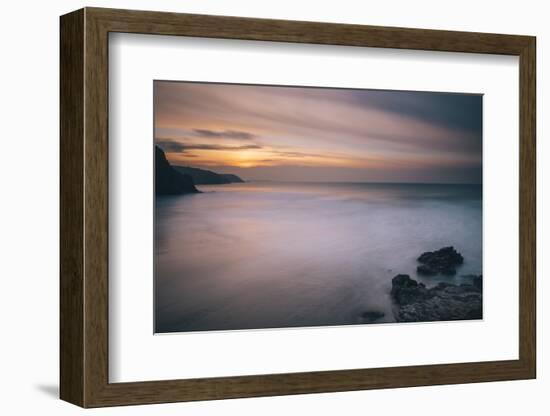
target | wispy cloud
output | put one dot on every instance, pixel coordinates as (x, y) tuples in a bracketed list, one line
[(220, 147), (247, 125), (230, 134), (174, 146), (296, 154)]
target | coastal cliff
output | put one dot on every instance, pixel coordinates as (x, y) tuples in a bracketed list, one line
[(169, 181), (207, 177)]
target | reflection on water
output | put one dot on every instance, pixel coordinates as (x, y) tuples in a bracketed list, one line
[(265, 255)]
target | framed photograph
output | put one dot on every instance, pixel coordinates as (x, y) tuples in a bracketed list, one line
[(255, 207)]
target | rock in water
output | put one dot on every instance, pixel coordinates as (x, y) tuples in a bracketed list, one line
[(405, 290), (167, 180), (444, 302), (372, 316), (442, 261), (476, 280)]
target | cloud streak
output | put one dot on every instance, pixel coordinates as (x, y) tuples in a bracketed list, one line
[(174, 146), (230, 134), (251, 126)]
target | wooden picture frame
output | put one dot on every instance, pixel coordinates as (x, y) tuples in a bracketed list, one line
[(84, 207)]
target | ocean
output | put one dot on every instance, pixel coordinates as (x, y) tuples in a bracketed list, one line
[(274, 255)]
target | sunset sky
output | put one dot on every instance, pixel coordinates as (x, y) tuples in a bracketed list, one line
[(320, 134)]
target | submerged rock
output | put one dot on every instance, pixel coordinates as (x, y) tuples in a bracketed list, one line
[(372, 316), (405, 290), (444, 302), (476, 280), (442, 261)]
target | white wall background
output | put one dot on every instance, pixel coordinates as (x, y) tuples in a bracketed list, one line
[(29, 209)]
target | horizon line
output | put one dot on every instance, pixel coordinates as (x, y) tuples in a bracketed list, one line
[(363, 182)]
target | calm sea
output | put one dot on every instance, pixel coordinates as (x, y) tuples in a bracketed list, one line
[(270, 255)]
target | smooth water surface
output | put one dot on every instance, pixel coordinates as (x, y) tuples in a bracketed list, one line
[(268, 255)]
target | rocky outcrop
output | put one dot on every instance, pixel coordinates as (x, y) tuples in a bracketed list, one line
[(444, 302), (167, 180), (442, 261)]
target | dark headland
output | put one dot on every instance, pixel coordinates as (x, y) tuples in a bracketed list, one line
[(179, 180), (207, 177), (168, 181)]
